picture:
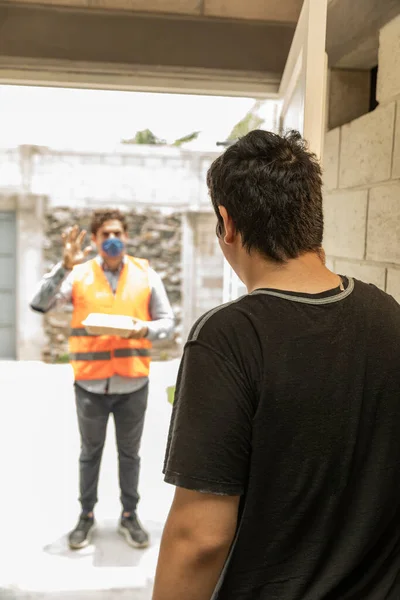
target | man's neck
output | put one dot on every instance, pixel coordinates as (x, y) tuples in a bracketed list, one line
[(306, 274), (112, 266)]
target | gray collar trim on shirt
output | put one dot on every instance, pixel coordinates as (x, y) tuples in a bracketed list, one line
[(305, 300)]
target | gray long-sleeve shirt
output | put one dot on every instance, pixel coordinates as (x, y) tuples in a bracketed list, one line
[(55, 292)]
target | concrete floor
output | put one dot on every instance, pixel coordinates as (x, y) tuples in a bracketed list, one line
[(39, 449)]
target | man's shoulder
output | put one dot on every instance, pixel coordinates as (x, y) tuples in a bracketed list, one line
[(224, 318), (374, 297)]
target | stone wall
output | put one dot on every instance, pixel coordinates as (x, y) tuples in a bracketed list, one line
[(152, 235), (362, 182)]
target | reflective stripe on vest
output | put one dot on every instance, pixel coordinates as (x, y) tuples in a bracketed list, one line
[(79, 332), (90, 356), (124, 352), (118, 353)]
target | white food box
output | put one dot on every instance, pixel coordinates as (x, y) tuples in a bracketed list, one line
[(103, 324)]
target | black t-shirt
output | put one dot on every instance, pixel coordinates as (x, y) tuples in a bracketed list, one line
[(293, 402)]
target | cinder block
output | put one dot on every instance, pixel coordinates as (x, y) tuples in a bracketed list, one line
[(331, 159), (389, 61), (345, 223), (393, 283), (383, 236), (349, 92), (396, 157), (366, 148), (375, 274)]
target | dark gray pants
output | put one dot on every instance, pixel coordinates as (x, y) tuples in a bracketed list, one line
[(93, 412)]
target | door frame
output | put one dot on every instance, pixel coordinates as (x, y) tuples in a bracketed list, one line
[(308, 46)]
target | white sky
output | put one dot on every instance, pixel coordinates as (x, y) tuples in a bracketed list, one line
[(96, 119)]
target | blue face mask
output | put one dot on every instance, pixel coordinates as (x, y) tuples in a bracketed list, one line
[(113, 247)]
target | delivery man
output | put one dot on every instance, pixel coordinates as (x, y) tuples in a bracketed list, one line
[(111, 373)]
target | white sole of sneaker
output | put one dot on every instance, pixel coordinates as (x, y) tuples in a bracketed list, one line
[(85, 543), (125, 533)]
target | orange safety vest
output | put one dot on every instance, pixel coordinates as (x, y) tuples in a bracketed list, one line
[(101, 357)]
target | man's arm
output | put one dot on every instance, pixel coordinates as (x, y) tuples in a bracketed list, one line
[(54, 290), (162, 317), (197, 538), (207, 459)]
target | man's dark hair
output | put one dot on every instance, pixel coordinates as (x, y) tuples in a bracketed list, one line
[(271, 186), (102, 215)]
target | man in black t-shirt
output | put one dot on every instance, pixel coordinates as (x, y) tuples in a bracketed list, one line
[(285, 436)]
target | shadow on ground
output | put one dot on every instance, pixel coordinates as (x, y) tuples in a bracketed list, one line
[(108, 547)]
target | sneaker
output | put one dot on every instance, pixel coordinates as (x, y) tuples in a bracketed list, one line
[(133, 532), (81, 536)]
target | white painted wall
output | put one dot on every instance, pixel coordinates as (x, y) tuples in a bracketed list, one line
[(29, 217), (138, 175)]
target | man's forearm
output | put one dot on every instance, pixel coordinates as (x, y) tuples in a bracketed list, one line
[(160, 329), (48, 292), (187, 570), (162, 321)]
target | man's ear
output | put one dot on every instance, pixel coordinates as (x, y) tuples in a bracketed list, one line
[(228, 235)]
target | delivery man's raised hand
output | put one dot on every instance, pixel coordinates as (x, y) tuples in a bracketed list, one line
[(73, 253)]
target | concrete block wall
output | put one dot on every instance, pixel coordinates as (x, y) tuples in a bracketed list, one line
[(362, 182)]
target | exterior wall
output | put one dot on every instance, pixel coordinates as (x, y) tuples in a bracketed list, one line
[(362, 182), (125, 175), (29, 211)]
